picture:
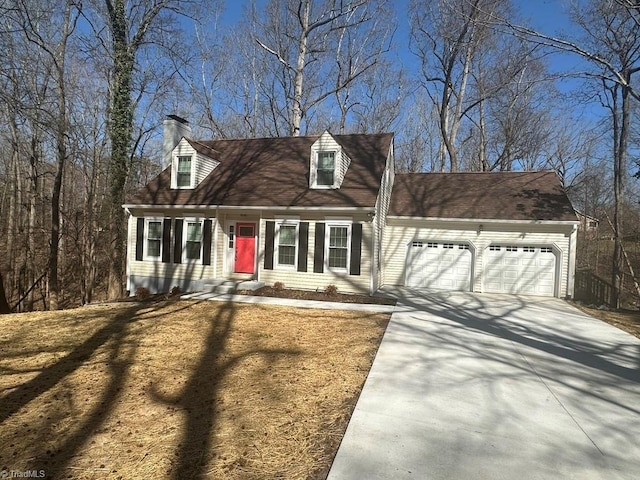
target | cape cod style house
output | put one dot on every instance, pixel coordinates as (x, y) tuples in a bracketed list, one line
[(329, 210)]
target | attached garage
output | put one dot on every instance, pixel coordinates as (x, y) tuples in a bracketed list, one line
[(441, 265), (505, 232), (520, 269)]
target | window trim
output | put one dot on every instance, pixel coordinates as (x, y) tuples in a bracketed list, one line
[(317, 168), (289, 222), (185, 228), (174, 172), (146, 256), (327, 240)]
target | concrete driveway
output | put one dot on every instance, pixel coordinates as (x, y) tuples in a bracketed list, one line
[(479, 386)]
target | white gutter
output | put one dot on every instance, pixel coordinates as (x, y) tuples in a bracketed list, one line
[(487, 220), (239, 207)]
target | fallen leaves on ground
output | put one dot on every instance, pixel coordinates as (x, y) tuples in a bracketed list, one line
[(180, 389)]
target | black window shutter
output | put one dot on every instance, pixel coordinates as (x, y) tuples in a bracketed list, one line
[(356, 248), (318, 256), (166, 240), (206, 238), (303, 246), (139, 238), (177, 241), (269, 238)]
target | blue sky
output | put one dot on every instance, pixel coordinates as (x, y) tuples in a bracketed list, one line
[(547, 16)]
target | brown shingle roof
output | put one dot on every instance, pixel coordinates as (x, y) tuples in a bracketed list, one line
[(499, 195), (275, 172)]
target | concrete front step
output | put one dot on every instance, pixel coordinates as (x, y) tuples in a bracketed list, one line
[(231, 286)]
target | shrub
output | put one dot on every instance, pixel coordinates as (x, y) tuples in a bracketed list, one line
[(142, 293), (278, 286), (331, 290)]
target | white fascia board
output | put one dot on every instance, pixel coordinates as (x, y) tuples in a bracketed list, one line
[(486, 220), (240, 207)]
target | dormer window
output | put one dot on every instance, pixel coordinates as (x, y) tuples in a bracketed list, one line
[(328, 163), (183, 172), (326, 168)]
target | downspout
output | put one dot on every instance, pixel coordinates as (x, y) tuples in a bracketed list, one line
[(128, 253), (571, 274), (258, 255), (215, 243), (372, 263)]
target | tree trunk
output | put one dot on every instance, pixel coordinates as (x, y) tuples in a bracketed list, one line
[(621, 140), (4, 306), (54, 242), (296, 116), (120, 133)]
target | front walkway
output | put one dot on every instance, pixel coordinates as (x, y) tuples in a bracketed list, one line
[(289, 302), (478, 386)]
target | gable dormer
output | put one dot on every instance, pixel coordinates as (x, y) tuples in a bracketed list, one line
[(191, 162), (328, 163)]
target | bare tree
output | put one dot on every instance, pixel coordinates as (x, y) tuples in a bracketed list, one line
[(53, 43), (300, 35), (611, 46), (445, 37), (131, 28)]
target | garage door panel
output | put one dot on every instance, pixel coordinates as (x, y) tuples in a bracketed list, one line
[(520, 270), (444, 266)]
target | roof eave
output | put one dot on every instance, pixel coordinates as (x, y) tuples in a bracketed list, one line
[(129, 206), (484, 220)]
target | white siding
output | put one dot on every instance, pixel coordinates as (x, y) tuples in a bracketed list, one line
[(400, 233), (204, 166), (158, 269), (382, 208), (318, 281)]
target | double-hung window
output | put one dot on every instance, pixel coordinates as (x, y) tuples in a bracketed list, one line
[(193, 240), (183, 172), (287, 243), (338, 246), (325, 174), (154, 238)]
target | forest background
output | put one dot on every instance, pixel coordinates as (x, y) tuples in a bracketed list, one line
[(466, 85)]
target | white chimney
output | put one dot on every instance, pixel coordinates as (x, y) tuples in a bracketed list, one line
[(174, 128)]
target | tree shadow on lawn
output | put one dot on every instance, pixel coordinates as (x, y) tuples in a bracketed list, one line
[(120, 357), (198, 399), (119, 343)]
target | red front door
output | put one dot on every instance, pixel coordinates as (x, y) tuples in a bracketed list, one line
[(245, 248)]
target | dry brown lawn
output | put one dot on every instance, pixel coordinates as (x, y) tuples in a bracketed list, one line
[(627, 320), (180, 389)]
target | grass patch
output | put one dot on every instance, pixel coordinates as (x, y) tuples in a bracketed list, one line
[(180, 389)]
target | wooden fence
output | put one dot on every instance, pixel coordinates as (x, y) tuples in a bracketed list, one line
[(592, 290)]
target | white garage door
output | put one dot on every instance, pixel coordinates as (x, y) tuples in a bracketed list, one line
[(439, 265), (526, 270)]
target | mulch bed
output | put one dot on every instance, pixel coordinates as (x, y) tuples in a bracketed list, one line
[(321, 296)]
